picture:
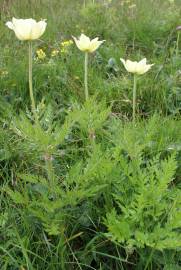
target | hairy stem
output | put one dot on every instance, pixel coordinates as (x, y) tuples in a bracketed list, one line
[(177, 43), (86, 76), (33, 107), (134, 98), (49, 169)]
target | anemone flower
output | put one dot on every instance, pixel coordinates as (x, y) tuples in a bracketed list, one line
[(28, 30), (137, 68), (87, 46)]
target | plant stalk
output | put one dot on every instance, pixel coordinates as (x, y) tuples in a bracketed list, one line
[(134, 98), (33, 107), (49, 167), (177, 43), (86, 76)]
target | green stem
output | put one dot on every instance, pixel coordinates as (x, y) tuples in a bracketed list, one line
[(134, 98), (33, 107), (177, 44), (92, 137), (86, 76), (49, 168), (149, 258)]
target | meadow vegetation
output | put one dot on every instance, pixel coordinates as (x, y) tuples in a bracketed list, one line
[(86, 187)]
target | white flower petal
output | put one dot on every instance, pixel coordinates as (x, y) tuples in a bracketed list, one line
[(77, 42), (123, 61), (38, 29), (95, 44), (10, 25), (136, 67), (131, 66), (86, 45), (142, 62), (27, 29)]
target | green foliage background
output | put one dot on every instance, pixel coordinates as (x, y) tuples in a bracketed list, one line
[(87, 189)]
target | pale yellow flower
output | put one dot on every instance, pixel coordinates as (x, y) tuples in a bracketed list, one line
[(132, 6), (4, 73), (64, 50), (54, 53), (27, 29), (86, 45), (66, 43), (41, 54), (127, 2), (136, 67)]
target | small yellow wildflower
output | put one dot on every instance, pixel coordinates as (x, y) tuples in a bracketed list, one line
[(64, 50), (66, 43), (41, 54), (4, 73), (132, 6), (54, 53), (126, 2)]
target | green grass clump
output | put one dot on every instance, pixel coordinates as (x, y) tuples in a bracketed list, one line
[(85, 187)]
